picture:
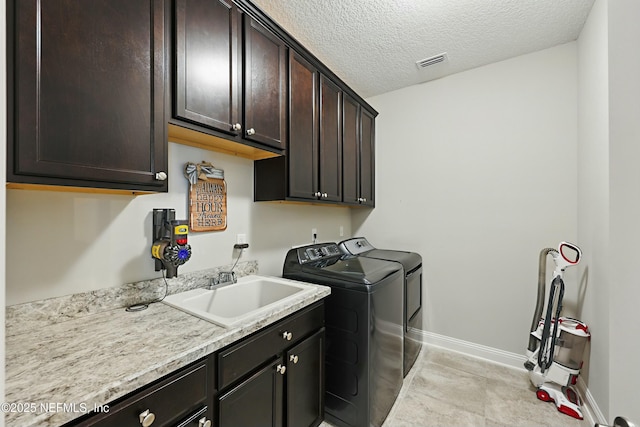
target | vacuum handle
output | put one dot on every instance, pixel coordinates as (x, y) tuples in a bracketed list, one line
[(570, 254)]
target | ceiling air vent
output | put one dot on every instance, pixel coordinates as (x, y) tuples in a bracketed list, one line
[(424, 63)]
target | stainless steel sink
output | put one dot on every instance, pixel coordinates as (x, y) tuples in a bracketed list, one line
[(230, 305)]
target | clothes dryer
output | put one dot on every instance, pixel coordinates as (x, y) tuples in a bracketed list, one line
[(412, 265)]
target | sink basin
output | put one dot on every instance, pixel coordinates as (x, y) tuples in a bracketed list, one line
[(230, 305)]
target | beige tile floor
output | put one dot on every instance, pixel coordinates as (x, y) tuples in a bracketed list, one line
[(448, 389)]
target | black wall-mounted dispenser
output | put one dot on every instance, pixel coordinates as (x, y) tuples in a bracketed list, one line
[(170, 247)]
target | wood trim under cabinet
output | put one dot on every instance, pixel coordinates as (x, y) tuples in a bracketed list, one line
[(69, 189), (185, 136)]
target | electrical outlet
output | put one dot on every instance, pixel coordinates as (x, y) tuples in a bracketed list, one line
[(241, 239)]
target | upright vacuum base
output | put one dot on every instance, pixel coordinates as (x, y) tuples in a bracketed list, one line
[(566, 399)]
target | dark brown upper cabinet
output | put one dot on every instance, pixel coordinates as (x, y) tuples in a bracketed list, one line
[(367, 158), (220, 54), (302, 153), (86, 86), (358, 132), (265, 85), (312, 167), (207, 76), (329, 156), (330, 173)]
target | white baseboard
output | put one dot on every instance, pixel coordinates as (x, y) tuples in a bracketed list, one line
[(590, 404), (591, 411)]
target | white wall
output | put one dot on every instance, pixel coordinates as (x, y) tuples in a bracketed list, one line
[(477, 172), (593, 196), (64, 243), (624, 172)]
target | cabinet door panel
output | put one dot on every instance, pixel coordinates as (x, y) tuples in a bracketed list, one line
[(367, 158), (265, 88), (350, 150), (256, 402), (303, 133), (305, 382), (207, 90), (89, 90), (330, 140)]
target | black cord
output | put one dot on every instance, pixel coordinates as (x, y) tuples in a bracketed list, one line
[(144, 305), (237, 259)]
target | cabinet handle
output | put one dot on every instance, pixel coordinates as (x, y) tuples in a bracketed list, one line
[(204, 422), (281, 369), (293, 359), (317, 194), (236, 127), (161, 176), (287, 335), (251, 131), (147, 418)]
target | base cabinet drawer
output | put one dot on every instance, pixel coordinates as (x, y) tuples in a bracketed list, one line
[(180, 400), (239, 359)]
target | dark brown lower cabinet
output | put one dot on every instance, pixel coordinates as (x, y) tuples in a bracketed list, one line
[(286, 387), (305, 382), (257, 401), (272, 378)]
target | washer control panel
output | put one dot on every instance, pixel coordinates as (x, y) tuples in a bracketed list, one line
[(317, 252)]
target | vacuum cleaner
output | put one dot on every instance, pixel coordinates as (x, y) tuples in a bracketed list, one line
[(556, 344)]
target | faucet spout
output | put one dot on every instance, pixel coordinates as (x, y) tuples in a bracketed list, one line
[(224, 278)]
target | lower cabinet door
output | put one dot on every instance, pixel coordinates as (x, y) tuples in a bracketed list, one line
[(255, 402), (305, 382)]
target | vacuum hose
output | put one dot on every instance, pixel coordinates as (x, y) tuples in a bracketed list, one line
[(542, 277)]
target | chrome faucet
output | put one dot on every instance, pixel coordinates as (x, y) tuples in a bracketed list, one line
[(224, 278)]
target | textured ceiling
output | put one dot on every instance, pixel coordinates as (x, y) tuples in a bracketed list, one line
[(373, 45)]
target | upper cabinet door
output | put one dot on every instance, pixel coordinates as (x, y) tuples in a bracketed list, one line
[(367, 158), (330, 140), (303, 129), (265, 85), (350, 150), (207, 83), (88, 93)]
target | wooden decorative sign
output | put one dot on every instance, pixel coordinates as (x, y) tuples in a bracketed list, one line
[(207, 197)]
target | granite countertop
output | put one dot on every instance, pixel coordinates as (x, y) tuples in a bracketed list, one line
[(59, 371)]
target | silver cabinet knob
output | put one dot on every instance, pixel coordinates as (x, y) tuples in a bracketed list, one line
[(293, 358), (147, 418), (325, 195), (161, 176), (251, 131), (364, 200), (317, 194), (281, 369), (287, 335), (236, 127), (204, 422)]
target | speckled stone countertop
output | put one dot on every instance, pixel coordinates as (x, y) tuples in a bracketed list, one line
[(66, 368)]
